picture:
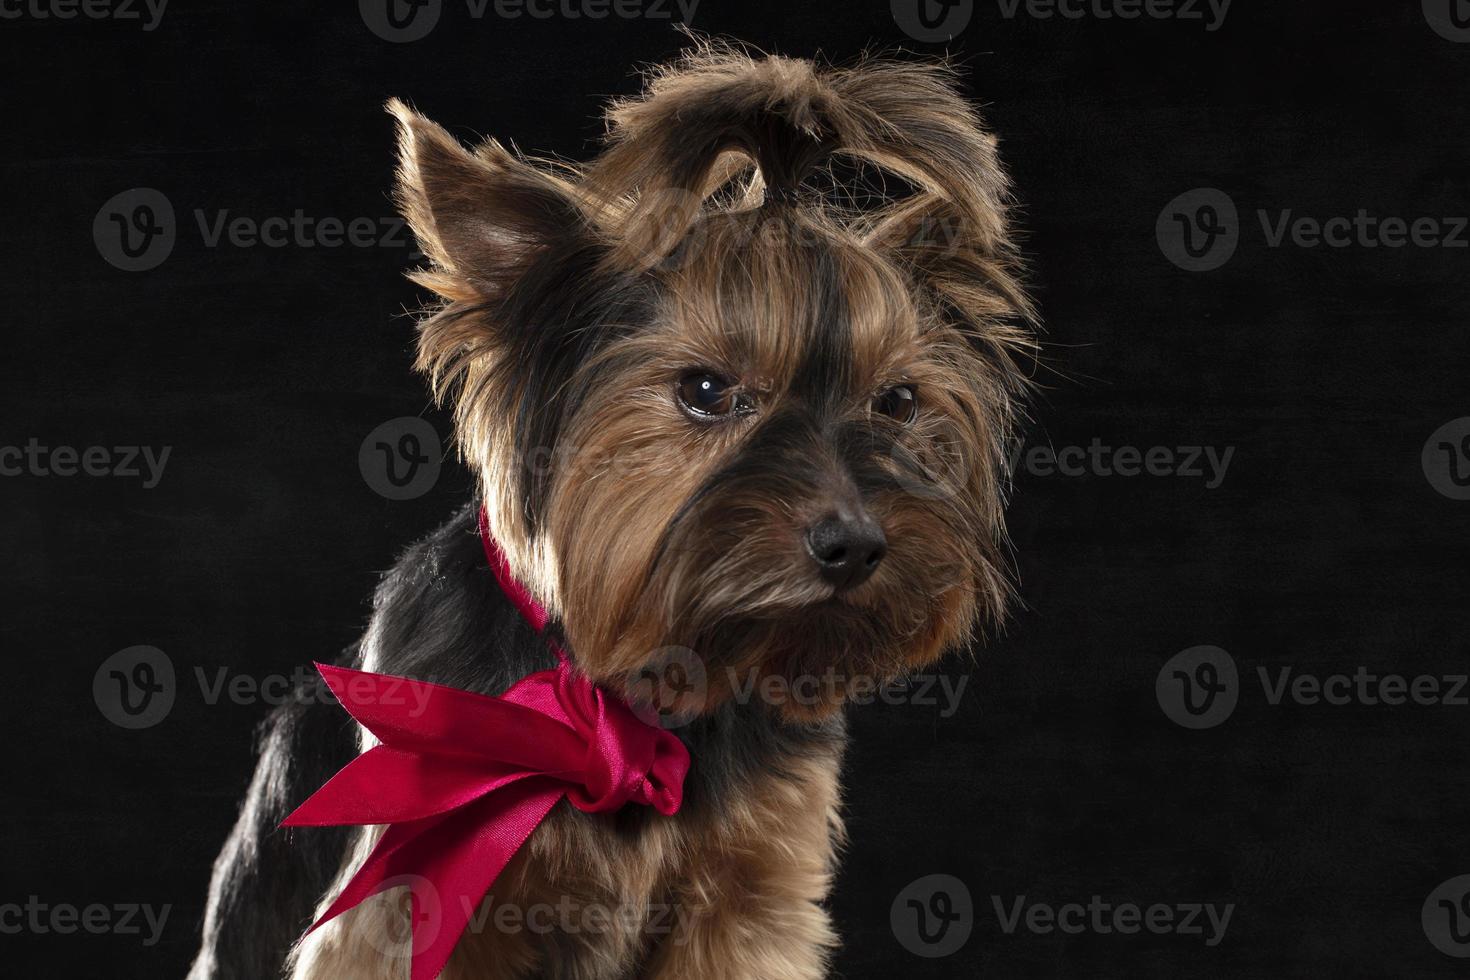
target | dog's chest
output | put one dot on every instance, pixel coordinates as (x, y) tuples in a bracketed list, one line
[(601, 896)]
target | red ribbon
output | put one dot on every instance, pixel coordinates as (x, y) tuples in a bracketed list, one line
[(462, 779)]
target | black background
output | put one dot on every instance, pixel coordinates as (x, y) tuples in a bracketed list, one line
[(1060, 778)]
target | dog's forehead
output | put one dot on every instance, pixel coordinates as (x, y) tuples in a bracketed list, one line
[(789, 305)]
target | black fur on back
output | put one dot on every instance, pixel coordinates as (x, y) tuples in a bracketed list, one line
[(439, 616), (266, 879)]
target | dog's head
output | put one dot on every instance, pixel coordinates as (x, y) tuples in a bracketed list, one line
[(741, 385)]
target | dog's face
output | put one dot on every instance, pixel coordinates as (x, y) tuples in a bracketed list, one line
[(774, 442), (785, 470)]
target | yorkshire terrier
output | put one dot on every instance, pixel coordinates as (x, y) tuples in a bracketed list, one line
[(740, 388)]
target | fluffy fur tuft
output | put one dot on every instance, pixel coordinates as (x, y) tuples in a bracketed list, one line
[(711, 211), (821, 258)]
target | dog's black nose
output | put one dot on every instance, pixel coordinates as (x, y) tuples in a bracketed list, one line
[(846, 550)]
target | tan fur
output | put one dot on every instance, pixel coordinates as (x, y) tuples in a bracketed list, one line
[(743, 304), (721, 195), (723, 888)]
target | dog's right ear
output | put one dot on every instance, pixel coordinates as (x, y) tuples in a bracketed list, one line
[(482, 216)]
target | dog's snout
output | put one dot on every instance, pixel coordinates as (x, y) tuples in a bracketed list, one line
[(846, 549)]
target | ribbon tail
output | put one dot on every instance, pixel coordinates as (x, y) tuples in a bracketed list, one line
[(386, 786), (448, 863), (380, 871), (490, 832), (432, 720)]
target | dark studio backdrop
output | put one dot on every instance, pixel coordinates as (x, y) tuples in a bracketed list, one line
[(1241, 517)]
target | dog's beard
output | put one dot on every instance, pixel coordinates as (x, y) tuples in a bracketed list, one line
[(747, 622)]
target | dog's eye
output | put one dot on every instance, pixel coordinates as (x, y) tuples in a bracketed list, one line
[(898, 403), (709, 395)]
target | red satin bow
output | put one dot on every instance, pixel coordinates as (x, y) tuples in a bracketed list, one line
[(462, 779)]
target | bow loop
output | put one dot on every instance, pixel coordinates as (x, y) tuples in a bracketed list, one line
[(461, 780)]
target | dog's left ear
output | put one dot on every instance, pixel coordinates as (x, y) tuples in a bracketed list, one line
[(482, 217)]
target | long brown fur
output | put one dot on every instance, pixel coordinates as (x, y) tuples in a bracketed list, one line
[(720, 230)]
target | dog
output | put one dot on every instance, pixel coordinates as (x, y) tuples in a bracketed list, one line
[(741, 387)]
